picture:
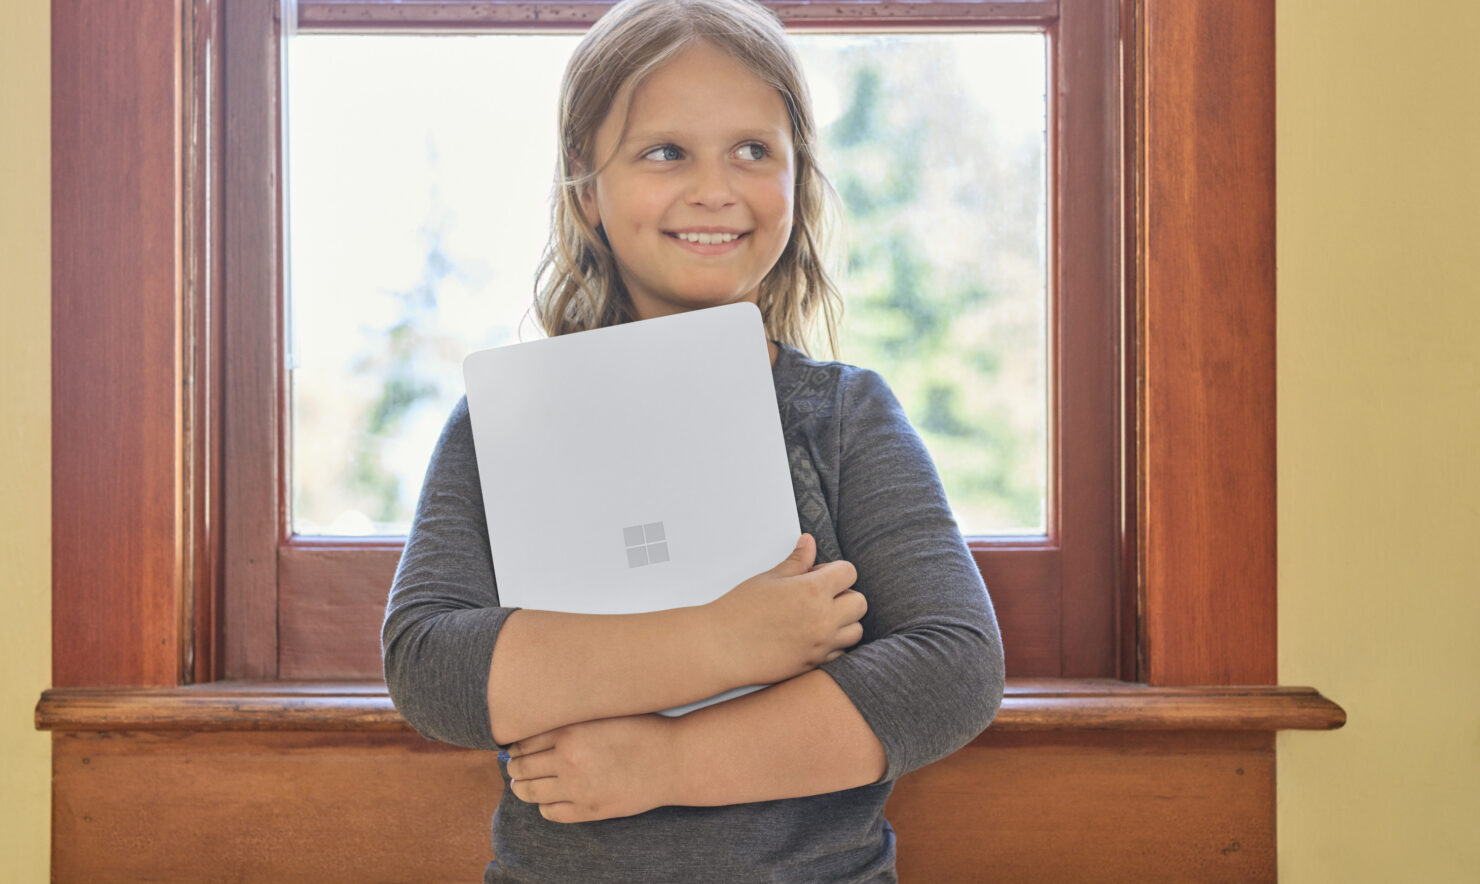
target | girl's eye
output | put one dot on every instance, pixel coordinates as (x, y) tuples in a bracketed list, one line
[(752, 150), (667, 154)]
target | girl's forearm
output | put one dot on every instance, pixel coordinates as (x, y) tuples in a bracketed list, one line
[(550, 669), (800, 737)]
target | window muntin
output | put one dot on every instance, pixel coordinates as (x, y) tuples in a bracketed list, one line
[(418, 192)]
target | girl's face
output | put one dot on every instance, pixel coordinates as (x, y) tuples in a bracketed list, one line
[(696, 199)]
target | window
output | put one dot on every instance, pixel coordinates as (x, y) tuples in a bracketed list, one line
[(393, 278), (306, 606), (145, 288)]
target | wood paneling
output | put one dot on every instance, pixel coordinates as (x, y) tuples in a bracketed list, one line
[(1026, 586), (294, 807), (117, 483), (330, 609), (272, 808), (1086, 808), (1207, 332)]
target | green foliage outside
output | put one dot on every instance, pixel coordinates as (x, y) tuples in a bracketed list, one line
[(942, 273), (943, 280)]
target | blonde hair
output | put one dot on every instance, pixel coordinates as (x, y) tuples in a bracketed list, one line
[(577, 286)]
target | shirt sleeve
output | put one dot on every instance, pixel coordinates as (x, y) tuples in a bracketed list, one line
[(928, 675), (443, 615)]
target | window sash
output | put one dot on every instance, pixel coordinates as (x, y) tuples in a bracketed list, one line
[(297, 607)]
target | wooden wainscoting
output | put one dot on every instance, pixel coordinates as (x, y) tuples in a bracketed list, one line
[(1091, 780), (270, 806)]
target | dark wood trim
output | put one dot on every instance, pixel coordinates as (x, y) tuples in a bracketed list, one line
[(1087, 425), (1029, 705), (473, 16), (1206, 296), (253, 483), (1128, 406), (202, 309), (117, 479)]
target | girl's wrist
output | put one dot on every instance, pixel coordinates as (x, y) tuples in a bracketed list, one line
[(715, 641), (686, 779)]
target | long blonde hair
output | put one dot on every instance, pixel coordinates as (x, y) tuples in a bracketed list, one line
[(577, 286)]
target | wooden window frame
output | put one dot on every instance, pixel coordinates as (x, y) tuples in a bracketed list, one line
[(316, 614), (146, 441)]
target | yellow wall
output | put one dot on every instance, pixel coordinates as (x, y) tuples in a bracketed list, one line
[(1379, 435), (25, 436), (1379, 410)]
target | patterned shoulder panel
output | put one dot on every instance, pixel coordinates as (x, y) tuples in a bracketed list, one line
[(808, 398)]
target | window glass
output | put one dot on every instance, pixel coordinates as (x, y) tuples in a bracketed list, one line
[(419, 173)]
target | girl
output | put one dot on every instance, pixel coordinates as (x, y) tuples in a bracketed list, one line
[(687, 181)]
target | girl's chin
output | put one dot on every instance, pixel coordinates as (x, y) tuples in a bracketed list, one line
[(648, 308)]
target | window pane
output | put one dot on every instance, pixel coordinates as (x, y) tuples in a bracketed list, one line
[(419, 173), (944, 237)]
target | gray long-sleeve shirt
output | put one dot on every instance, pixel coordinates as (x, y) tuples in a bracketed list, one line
[(927, 676)]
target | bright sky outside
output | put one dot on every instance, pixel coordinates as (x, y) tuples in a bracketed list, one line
[(464, 125)]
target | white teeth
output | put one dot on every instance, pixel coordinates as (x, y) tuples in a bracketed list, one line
[(708, 239)]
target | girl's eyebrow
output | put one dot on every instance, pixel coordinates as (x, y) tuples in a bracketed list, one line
[(652, 136), (749, 133)]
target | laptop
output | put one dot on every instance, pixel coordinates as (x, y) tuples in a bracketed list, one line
[(633, 468)]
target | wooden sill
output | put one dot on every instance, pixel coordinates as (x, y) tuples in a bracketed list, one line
[(1030, 705)]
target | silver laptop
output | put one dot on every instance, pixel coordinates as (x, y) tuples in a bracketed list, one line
[(633, 468)]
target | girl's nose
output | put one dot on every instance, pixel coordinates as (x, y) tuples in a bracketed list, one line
[(710, 185)]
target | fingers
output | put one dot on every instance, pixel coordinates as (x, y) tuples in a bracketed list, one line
[(531, 745), (552, 806), (531, 767), (847, 637), (851, 604), (840, 575), (801, 558), (850, 635), (562, 812), (541, 791), (532, 777)]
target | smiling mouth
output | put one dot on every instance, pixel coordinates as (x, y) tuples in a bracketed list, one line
[(707, 239)]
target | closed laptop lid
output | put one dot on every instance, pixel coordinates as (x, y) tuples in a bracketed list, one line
[(632, 468)]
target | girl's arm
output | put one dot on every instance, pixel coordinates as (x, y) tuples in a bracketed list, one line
[(928, 677), (802, 737), (463, 669), (550, 669)]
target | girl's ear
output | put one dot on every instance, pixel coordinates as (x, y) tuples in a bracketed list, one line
[(586, 191)]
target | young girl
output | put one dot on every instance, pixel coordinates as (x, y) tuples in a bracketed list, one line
[(687, 181)]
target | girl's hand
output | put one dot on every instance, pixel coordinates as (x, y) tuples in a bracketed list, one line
[(596, 770), (788, 620)]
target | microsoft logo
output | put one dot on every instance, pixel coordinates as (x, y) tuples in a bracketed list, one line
[(646, 544)]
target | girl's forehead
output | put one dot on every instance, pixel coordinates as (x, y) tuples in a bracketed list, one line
[(702, 83), (699, 65)]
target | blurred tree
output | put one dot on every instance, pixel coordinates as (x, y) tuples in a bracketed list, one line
[(407, 360), (944, 279)]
